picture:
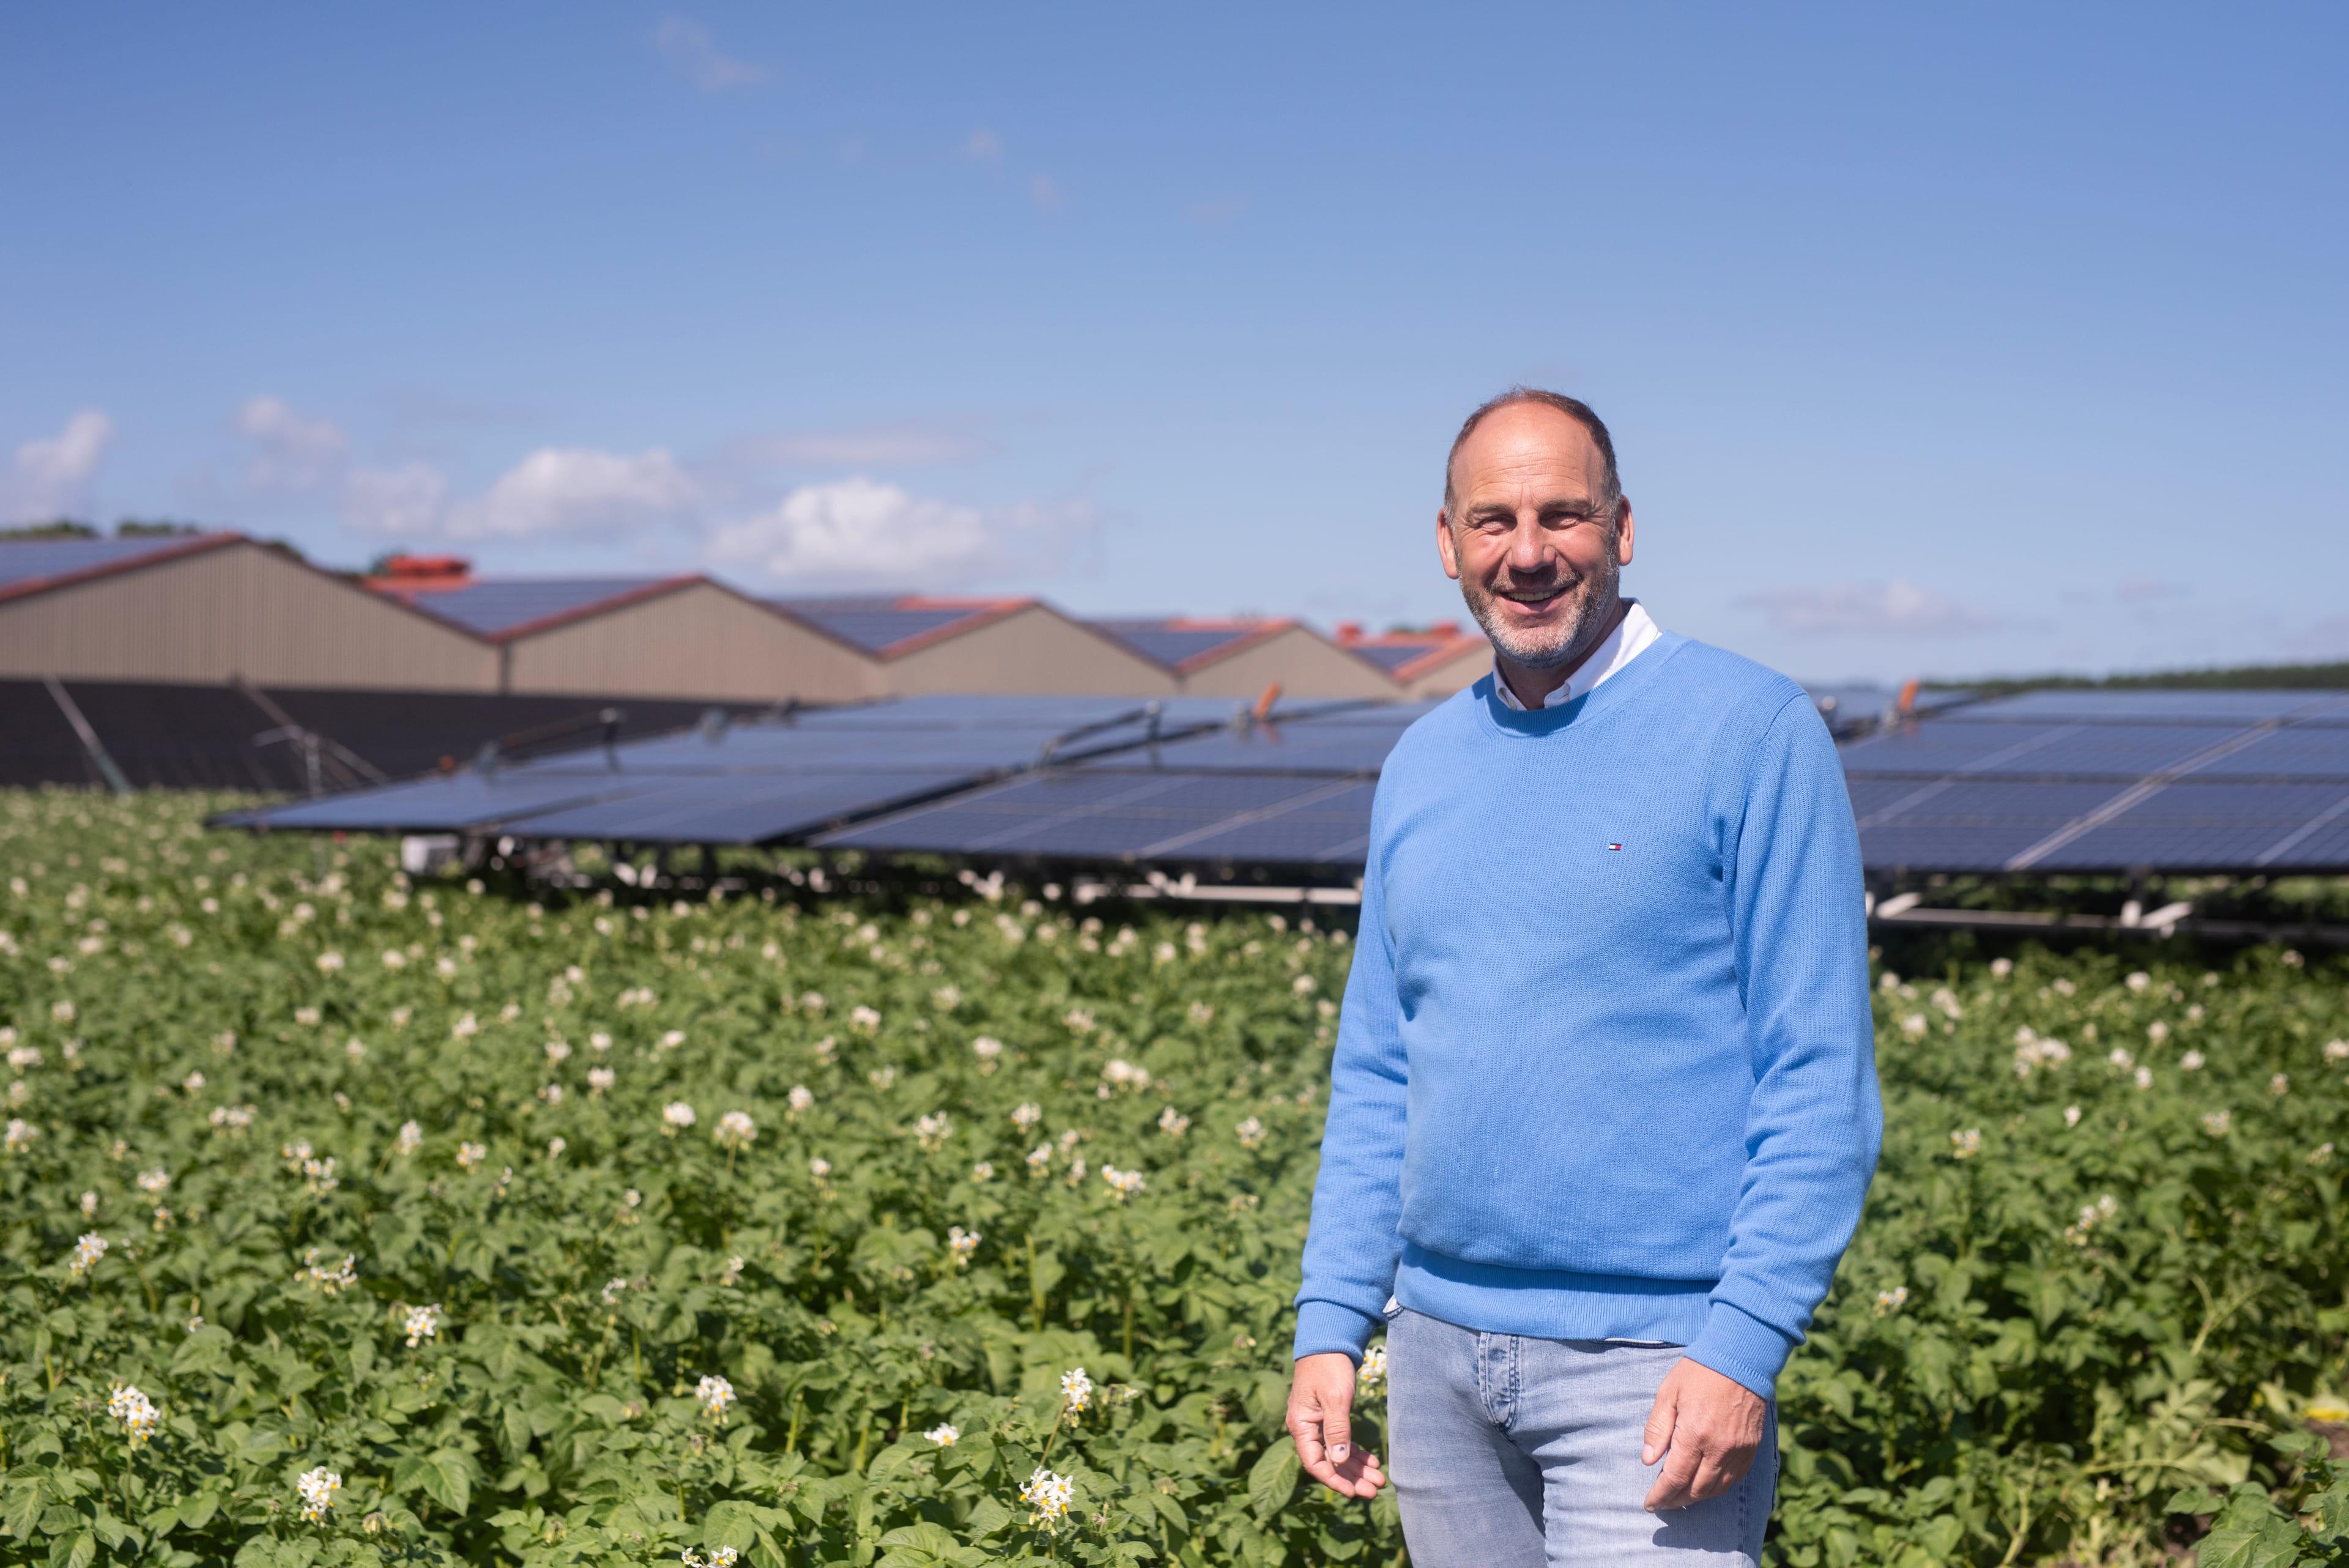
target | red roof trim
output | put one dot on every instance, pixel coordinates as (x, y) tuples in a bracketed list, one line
[(546, 622), (982, 613), (1436, 657), (166, 550)]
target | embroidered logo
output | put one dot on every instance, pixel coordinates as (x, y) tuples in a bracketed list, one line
[(1614, 847)]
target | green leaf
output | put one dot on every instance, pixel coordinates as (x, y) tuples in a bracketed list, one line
[(1272, 1480), (206, 1350), (446, 1478), (987, 1517), (2195, 1500)]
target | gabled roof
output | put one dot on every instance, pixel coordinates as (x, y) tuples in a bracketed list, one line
[(1408, 655), (503, 608), (1188, 643), (891, 626), (37, 566)]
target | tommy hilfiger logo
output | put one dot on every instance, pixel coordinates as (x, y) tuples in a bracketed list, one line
[(1614, 847)]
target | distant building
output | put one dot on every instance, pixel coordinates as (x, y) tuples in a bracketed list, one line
[(1434, 662), (686, 636), (211, 609), (925, 644), (1215, 657)]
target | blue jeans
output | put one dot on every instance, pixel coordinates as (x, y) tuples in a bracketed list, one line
[(1511, 1452)]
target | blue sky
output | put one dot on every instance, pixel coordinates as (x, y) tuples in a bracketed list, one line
[(2006, 339)]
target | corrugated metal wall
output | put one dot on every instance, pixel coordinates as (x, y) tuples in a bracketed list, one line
[(1034, 649), (698, 641), (241, 610)]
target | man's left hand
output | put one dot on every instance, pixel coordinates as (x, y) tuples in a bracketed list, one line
[(1706, 1427)]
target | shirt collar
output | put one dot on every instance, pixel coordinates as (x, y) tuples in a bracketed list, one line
[(1631, 637)]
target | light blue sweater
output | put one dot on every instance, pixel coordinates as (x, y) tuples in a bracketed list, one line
[(1605, 1068)]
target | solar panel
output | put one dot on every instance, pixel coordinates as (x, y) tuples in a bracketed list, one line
[(1086, 814), (875, 624), (2175, 707), (732, 810), (501, 604), (2119, 750), (30, 560), (455, 803), (1171, 642)]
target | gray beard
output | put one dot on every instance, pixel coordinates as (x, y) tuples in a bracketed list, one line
[(1562, 645)]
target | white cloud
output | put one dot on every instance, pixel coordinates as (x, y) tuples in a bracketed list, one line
[(577, 492), (1898, 608), (983, 147), (53, 472), (291, 451), (401, 501), (695, 56), (859, 531)]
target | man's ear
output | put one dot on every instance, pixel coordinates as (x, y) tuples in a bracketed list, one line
[(1447, 549), (1623, 532)]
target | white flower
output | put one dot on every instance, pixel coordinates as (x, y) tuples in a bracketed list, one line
[(1250, 1133), (21, 1134), (86, 1255), (62, 1012), (987, 1048), (2216, 1123), (1966, 1143), (1173, 1123), (2336, 1050), (1999, 968), (2321, 1154), (551, 1093), (193, 1083), (1124, 1075), (865, 1019), (329, 963), (1372, 1373), (328, 1280), (1047, 1494), (470, 1154), (1077, 1388), (394, 959), (678, 1113), (410, 1139), (1124, 1183), (2144, 1077), (732, 1273), (423, 1324), (1892, 1301), (983, 1171), (558, 1052), (735, 1130), (599, 1041), (135, 1411), (947, 997), (931, 1131), (600, 1079), (2280, 1085), (715, 1394), (944, 1435), (1040, 1160), (2119, 1057), (2156, 1032), (318, 1488), (881, 1077), (819, 1167), (1026, 1115), (2138, 982), (1302, 985), (612, 1289), (2071, 1115), (465, 1027), (800, 1098), (1079, 1020), (961, 1244), (1200, 1011)]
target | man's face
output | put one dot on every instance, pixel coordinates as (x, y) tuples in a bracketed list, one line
[(1528, 537)]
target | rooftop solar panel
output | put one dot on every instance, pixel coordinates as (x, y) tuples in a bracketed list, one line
[(875, 624), (499, 605), (1171, 641), (1392, 656), (728, 810), (29, 560)]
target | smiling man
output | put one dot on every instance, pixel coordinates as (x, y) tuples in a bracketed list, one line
[(1604, 1106)]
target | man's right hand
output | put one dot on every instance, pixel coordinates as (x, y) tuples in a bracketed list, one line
[(1321, 1418)]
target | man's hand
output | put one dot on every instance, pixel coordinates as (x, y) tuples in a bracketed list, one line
[(1321, 1418), (1708, 1424)]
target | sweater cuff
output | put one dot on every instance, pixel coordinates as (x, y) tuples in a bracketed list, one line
[(1326, 1326), (1742, 1348)]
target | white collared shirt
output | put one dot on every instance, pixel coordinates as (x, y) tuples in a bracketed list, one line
[(1631, 637)]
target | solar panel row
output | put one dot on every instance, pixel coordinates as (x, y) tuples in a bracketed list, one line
[(2049, 781)]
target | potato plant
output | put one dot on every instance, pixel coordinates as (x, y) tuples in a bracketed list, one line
[(353, 1220)]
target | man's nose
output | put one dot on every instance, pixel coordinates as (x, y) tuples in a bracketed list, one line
[(1529, 552)]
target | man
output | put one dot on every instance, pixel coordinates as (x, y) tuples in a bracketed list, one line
[(1604, 1107)]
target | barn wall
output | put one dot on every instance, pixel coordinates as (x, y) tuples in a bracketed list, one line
[(1304, 664), (1036, 649), (698, 641), (240, 610), (1467, 667)]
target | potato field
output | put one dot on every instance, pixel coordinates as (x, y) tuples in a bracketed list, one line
[(354, 1219)]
